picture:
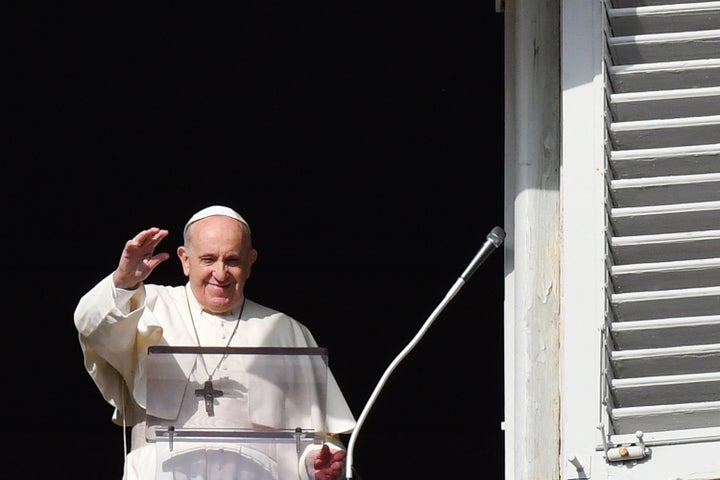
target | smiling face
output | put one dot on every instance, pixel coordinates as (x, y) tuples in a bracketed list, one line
[(217, 259)]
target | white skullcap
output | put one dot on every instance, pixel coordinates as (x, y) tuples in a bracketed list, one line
[(214, 210)]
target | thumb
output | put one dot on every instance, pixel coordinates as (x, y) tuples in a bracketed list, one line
[(322, 458)]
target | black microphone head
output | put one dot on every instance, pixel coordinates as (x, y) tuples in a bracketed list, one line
[(497, 236)]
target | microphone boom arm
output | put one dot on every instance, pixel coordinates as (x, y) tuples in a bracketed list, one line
[(494, 239)]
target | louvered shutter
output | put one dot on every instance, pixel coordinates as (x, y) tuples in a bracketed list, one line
[(662, 343)]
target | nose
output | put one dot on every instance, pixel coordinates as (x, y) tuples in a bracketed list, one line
[(220, 270)]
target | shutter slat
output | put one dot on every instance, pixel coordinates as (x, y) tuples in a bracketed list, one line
[(673, 218), (666, 190), (648, 3), (665, 18), (665, 332), (651, 162), (658, 418), (686, 359), (678, 74), (666, 304), (664, 390), (664, 47), (656, 276), (669, 247), (672, 132), (665, 104)]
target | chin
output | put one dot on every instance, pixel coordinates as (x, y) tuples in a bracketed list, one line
[(219, 306)]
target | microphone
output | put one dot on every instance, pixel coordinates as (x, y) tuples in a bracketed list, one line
[(494, 239)]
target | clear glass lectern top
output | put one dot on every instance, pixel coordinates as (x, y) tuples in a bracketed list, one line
[(234, 398)]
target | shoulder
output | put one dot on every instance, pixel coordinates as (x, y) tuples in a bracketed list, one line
[(256, 310), (279, 323), (165, 289), (169, 294)]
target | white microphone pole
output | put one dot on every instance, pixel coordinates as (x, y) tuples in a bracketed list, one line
[(494, 239)]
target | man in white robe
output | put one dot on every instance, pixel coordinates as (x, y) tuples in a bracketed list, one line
[(122, 316)]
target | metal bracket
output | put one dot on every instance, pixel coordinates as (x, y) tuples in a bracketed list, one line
[(629, 451)]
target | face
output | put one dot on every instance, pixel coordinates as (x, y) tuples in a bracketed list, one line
[(217, 260)]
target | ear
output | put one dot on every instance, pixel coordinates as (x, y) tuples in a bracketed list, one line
[(182, 254), (251, 260)]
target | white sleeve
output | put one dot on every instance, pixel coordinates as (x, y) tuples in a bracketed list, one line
[(122, 297)]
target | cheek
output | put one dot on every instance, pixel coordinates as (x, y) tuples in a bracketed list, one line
[(246, 271), (239, 274), (196, 270)]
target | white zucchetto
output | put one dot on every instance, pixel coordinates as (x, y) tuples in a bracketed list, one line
[(215, 210)]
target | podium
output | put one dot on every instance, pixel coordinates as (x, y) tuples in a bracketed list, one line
[(234, 413)]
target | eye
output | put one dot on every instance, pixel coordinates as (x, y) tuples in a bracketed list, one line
[(233, 262)]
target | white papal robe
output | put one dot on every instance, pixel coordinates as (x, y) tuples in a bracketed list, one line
[(116, 327)]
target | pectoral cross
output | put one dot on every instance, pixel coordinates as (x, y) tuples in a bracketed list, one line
[(210, 394)]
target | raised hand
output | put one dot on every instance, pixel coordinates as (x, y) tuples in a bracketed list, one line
[(139, 259)]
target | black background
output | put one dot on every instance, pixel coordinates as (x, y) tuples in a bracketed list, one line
[(362, 142)]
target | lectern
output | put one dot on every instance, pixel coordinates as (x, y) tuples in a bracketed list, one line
[(234, 413)]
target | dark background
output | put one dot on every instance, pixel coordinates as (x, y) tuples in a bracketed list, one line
[(362, 142)]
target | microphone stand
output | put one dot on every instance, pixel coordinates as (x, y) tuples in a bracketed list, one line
[(494, 240)]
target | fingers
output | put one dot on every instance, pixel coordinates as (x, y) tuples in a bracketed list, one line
[(139, 252), (155, 260), (150, 237), (330, 473), (329, 465), (322, 458), (142, 246)]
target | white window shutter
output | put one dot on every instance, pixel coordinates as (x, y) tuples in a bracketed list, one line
[(662, 343)]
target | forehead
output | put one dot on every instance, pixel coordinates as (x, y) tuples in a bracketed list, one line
[(218, 234)]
